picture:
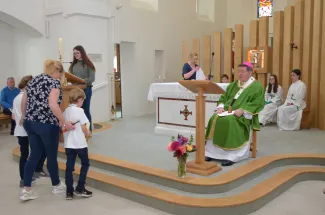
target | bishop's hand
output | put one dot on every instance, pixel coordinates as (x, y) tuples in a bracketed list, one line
[(220, 110), (239, 112)]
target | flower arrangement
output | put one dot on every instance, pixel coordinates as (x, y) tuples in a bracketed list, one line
[(181, 147)]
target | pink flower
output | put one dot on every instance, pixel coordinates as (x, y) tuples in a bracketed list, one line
[(173, 146), (179, 152)]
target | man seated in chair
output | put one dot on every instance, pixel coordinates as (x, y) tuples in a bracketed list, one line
[(227, 137)]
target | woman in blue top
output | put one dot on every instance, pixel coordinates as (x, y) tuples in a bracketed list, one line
[(42, 118), (190, 68)]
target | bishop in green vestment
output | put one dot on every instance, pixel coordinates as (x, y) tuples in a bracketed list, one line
[(228, 134)]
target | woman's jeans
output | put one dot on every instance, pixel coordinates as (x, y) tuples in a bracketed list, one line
[(86, 105), (24, 153), (42, 137)]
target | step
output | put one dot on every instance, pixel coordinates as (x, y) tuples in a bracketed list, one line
[(245, 202), (194, 184)]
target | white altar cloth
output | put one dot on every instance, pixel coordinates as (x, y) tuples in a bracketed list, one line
[(176, 107)]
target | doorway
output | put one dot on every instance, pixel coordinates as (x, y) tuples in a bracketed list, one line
[(117, 81)]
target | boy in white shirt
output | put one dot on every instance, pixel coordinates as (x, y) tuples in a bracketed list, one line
[(75, 144)]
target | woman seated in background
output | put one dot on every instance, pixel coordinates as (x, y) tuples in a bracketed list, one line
[(224, 78), (273, 100), (290, 113), (192, 71)]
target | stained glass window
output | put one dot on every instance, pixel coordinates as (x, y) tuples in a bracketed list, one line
[(264, 8)]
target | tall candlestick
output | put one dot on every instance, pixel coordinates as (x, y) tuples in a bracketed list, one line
[(60, 49)]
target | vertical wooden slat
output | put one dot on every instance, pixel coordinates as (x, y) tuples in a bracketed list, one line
[(321, 106), (185, 52), (217, 57), (287, 52), (206, 54), (227, 67), (239, 45), (307, 47), (298, 34), (253, 34), (316, 51), (278, 44), (263, 37), (196, 48)]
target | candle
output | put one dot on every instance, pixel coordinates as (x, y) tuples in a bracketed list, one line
[(60, 49)]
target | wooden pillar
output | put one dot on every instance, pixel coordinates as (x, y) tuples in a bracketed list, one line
[(253, 37), (196, 48), (227, 66), (206, 54), (321, 106), (185, 52), (263, 38), (239, 46), (298, 34), (253, 34), (287, 52), (315, 66), (307, 47), (217, 57), (278, 44)]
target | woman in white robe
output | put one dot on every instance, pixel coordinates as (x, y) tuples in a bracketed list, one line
[(273, 100), (290, 113)]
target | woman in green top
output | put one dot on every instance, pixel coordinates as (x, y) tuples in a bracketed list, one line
[(83, 68)]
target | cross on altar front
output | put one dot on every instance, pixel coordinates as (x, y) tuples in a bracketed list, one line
[(186, 112)]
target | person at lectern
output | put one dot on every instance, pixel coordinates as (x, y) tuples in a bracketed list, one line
[(83, 68), (192, 71), (229, 129)]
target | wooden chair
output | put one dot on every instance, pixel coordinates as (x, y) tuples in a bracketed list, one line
[(253, 144), (5, 120), (306, 120)]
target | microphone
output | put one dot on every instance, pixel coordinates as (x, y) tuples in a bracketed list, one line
[(211, 64)]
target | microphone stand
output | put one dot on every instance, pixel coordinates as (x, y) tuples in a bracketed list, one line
[(211, 64)]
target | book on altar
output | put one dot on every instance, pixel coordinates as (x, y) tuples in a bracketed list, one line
[(226, 113)]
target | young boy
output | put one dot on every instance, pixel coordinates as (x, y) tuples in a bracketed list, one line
[(75, 144)]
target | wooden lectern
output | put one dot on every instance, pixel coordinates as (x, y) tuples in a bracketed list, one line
[(200, 166), (76, 82)]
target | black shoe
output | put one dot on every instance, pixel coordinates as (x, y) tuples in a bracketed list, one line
[(227, 163), (208, 159), (69, 196), (83, 193)]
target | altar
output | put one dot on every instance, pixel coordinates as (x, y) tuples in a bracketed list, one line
[(176, 107)]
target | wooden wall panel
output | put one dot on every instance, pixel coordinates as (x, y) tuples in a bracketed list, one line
[(239, 46), (321, 107), (278, 44), (227, 53), (253, 34), (316, 51), (307, 47), (298, 34), (185, 52), (217, 56), (196, 48), (206, 54), (263, 40), (287, 52)]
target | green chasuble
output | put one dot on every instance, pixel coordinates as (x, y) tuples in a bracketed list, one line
[(231, 132)]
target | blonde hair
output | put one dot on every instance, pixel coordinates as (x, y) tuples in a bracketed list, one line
[(52, 66), (193, 54), (75, 94)]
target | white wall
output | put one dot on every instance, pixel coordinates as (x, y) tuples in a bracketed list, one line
[(6, 53)]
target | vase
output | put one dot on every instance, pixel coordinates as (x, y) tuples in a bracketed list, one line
[(181, 170)]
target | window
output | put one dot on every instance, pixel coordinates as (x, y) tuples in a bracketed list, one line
[(264, 8), (205, 9), (145, 4)]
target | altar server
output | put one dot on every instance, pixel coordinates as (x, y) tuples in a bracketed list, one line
[(192, 71), (290, 113), (273, 100), (228, 134)]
